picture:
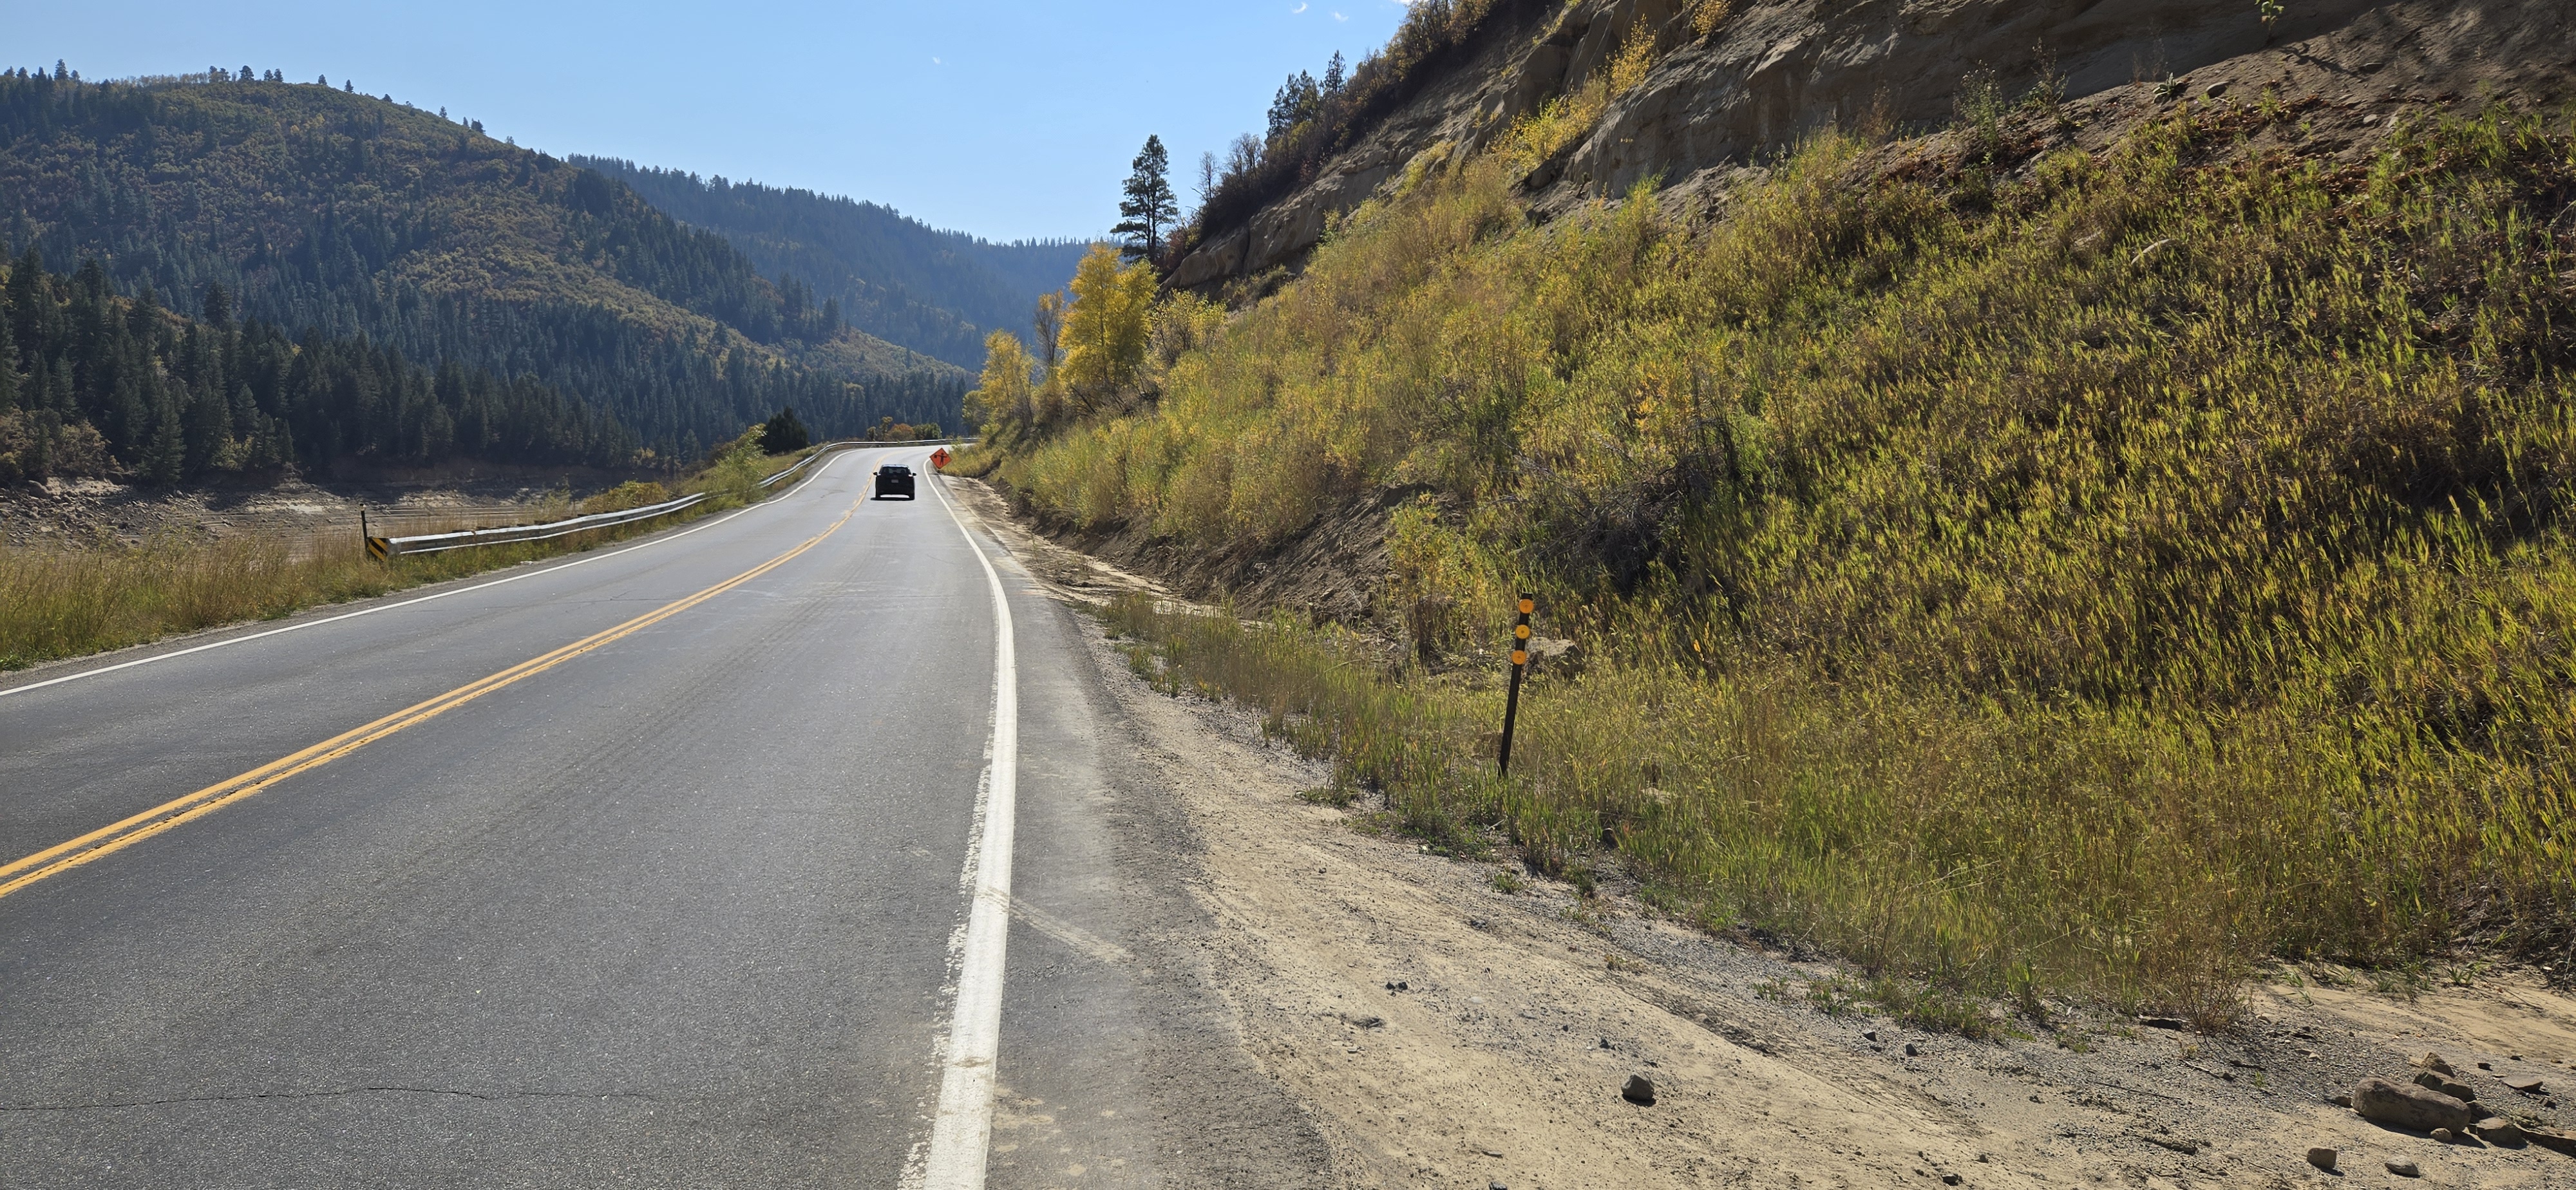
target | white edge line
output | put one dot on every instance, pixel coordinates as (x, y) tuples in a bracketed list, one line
[(961, 1132), (243, 640)]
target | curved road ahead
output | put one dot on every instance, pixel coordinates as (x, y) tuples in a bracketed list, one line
[(654, 866)]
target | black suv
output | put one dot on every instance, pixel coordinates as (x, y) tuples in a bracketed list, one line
[(893, 480)]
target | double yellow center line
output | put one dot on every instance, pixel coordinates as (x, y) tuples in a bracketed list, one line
[(169, 815)]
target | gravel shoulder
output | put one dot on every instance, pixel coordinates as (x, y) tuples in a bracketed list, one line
[(1444, 1032)]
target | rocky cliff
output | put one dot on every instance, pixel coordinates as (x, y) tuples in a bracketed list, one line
[(1729, 86)]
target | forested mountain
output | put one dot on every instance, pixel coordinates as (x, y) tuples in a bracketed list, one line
[(337, 214), (95, 384), (901, 280)]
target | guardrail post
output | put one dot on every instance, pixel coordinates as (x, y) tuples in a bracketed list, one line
[(1520, 664), (377, 547)]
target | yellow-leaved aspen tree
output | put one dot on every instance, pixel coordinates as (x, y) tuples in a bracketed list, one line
[(1105, 329), (1049, 323), (1001, 401)]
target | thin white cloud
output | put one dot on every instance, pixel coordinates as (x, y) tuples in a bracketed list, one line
[(936, 62), (1294, 11), (1339, 17)]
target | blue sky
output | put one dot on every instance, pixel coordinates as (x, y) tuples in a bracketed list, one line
[(1004, 119)]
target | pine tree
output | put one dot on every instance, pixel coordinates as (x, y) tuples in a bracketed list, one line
[(1150, 205), (8, 369), (28, 303), (14, 300), (166, 459), (1297, 102), (206, 431), (784, 434)]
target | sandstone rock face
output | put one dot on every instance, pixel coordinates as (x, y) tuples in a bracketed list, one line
[(1774, 72), (2401, 1105)]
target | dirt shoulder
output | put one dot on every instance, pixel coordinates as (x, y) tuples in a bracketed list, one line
[(1446, 1032)]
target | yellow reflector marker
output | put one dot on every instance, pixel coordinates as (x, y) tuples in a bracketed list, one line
[(1520, 657)]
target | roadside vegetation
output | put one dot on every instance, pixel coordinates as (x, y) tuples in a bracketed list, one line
[(2089, 579), (58, 602)]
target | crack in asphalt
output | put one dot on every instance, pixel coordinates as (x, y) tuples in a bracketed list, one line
[(486, 1097)]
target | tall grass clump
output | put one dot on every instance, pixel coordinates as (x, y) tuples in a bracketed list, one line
[(2091, 579), (66, 602)]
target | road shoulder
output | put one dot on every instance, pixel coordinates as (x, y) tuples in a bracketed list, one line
[(1443, 1031)]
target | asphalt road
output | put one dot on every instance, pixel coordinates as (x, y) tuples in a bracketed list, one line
[(687, 907)]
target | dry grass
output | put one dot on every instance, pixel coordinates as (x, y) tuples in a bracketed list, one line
[(1942, 850), (57, 602), (2088, 579)]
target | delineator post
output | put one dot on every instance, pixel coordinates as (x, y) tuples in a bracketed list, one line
[(1520, 665)]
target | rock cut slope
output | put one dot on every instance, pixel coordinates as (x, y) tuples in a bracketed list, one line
[(1763, 75)]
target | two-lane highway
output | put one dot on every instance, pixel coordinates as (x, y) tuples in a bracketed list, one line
[(656, 867)]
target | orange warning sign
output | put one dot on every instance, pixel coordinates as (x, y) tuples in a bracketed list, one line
[(939, 457)]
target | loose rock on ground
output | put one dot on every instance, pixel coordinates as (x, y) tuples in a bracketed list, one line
[(2400, 1105)]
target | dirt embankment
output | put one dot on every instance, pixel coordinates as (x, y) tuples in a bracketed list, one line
[(1456, 1023), (1335, 570)]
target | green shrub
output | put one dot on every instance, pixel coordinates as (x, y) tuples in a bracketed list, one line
[(634, 493)]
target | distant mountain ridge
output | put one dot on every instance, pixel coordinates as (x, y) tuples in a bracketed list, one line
[(895, 277), (347, 214)]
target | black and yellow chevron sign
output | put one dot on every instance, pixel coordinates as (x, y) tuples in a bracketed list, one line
[(379, 548)]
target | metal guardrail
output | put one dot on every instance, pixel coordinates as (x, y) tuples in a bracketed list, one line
[(466, 539), (799, 465), (436, 543)]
